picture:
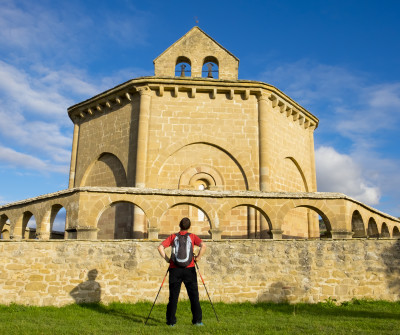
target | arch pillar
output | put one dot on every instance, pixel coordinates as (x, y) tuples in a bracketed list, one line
[(43, 227), (86, 233), (276, 234), (16, 228), (153, 230)]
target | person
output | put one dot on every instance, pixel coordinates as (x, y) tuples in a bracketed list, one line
[(187, 275)]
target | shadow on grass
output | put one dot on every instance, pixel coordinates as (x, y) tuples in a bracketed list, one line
[(114, 311), (349, 311)]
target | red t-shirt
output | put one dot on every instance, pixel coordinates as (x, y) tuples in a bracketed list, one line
[(170, 239)]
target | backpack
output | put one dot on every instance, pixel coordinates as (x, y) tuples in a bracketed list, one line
[(182, 250)]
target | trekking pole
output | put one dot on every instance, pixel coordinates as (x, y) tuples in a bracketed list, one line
[(198, 270), (157, 295)]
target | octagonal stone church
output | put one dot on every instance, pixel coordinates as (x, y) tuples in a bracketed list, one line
[(194, 125), (235, 156)]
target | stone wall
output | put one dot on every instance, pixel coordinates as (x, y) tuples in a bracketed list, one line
[(64, 272)]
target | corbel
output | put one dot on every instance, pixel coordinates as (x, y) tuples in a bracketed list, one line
[(175, 91), (288, 111), (108, 104), (306, 123), (193, 92), (118, 100), (295, 114), (160, 90), (213, 93), (301, 119), (98, 107), (128, 96), (90, 112), (282, 106), (274, 100), (246, 95), (230, 94)]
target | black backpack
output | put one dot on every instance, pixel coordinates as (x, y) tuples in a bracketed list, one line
[(182, 250)]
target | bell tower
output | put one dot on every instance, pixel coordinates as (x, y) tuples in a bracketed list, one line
[(197, 55)]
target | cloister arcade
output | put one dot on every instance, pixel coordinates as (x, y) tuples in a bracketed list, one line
[(87, 209)]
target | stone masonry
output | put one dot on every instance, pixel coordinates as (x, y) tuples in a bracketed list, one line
[(64, 272)]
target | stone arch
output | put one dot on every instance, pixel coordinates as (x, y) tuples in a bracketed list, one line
[(4, 221), (54, 213), (189, 177), (121, 219), (169, 220), (310, 228), (212, 70), (218, 150), (246, 220), (384, 230), (323, 210), (219, 143), (30, 234), (396, 232), (357, 225), (105, 170), (372, 230), (186, 69), (300, 171)]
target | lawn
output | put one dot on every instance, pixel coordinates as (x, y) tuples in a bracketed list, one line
[(355, 317)]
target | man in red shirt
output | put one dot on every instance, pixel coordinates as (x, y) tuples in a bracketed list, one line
[(187, 275)]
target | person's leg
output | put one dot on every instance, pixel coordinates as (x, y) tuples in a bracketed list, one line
[(190, 281), (175, 282)]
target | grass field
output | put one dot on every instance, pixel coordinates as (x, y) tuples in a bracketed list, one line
[(355, 317)]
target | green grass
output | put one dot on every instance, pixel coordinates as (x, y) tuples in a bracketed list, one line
[(355, 317)]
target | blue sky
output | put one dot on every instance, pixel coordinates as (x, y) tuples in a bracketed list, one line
[(338, 59)]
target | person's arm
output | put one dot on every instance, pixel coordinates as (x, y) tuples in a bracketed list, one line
[(161, 250), (202, 250)]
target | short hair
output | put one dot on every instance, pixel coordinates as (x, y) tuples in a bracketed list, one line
[(185, 224)]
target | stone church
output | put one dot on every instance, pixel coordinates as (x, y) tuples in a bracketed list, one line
[(194, 125), (235, 156)]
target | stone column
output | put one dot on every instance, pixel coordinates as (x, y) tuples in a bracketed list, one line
[(144, 115), (312, 158), (141, 160), (252, 223), (73, 155), (265, 122)]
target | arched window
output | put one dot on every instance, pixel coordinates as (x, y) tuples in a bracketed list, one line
[(210, 68), (201, 185), (183, 67)]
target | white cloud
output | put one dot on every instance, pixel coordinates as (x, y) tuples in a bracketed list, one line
[(359, 117), (340, 173), (16, 159)]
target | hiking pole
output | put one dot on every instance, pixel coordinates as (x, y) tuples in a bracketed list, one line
[(157, 295), (198, 270)]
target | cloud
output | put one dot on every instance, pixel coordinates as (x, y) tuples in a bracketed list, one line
[(359, 122), (347, 102), (16, 159), (339, 173), (39, 29)]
